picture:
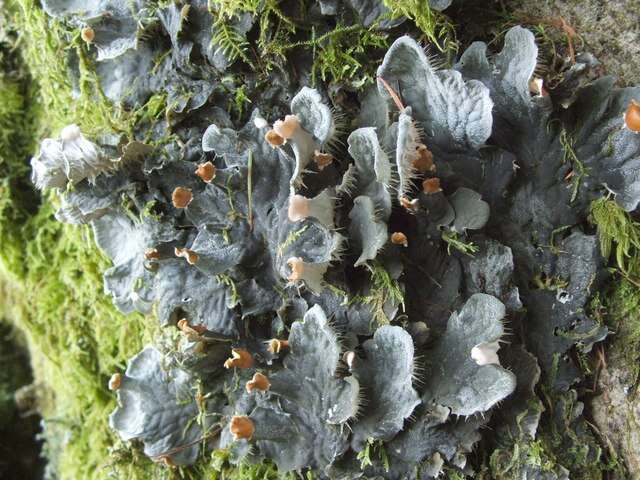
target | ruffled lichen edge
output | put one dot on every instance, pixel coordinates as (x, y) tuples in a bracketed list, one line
[(51, 273)]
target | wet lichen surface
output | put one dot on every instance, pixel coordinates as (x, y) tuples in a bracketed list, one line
[(323, 253)]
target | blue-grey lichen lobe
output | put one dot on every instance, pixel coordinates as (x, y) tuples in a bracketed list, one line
[(333, 298)]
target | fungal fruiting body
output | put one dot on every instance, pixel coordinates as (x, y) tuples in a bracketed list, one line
[(115, 381), (320, 207), (206, 171), (191, 330), (632, 116), (399, 238), (536, 86), (312, 274), (240, 358), (241, 427), (274, 139), (276, 345), (189, 255), (431, 185), (288, 127), (411, 205), (151, 254), (259, 382), (298, 208), (87, 34), (296, 264), (181, 197), (423, 161), (322, 160)]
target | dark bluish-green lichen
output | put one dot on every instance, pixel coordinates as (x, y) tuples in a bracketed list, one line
[(283, 256)]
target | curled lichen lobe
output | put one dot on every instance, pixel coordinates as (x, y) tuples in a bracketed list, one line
[(296, 264)]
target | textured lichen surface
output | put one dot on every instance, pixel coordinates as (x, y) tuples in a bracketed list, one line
[(341, 272)]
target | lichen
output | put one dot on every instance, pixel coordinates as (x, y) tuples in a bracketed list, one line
[(60, 270)]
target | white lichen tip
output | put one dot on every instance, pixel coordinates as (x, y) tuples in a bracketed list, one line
[(349, 357), (69, 158), (410, 205), (486, 353), (259, 122), (70, 133)]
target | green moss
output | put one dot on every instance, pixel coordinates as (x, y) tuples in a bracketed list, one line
[(77, 337), (619, 238), (579, 171), (384, 289), (45, 44), (18, 112), (435, 26), (621, 315), (51, 274), (229, 40), (221, 469), (291, 239), (453, 474), (453, 240), (344, 53), (619, 235), (512, 462), (374, 453)]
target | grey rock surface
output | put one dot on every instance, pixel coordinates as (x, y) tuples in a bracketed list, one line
[(610, 29)]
